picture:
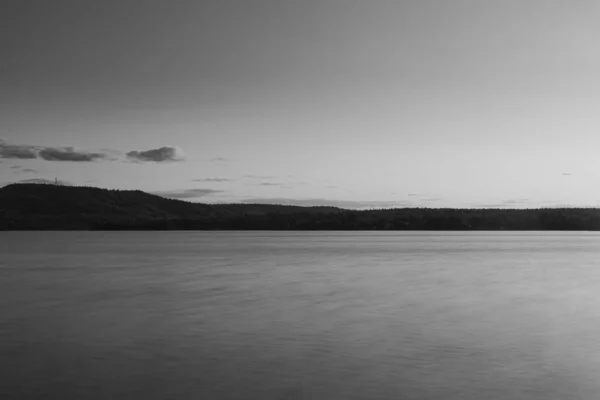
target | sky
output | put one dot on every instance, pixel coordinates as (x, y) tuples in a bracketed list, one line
[(351, 103)]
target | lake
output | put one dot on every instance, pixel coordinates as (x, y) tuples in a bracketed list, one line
[(300, 315)]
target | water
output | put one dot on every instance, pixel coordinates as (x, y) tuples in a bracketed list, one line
[(312, 315)]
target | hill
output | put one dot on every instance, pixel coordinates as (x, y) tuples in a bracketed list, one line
[(53, 207), (46, 206)]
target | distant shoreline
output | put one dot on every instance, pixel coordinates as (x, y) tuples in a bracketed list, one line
[(46, 207)]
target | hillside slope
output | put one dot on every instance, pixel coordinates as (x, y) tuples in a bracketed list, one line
[(49, 206), (45, 206)]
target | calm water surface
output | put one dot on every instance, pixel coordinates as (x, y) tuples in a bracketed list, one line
[(313, 315)]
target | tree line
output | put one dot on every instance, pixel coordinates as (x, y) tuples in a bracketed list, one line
[(49, 207)]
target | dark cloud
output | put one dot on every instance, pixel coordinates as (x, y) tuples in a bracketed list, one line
[(187, 193), (25, 152), (17, 151), (349, 204), (213, 180), (30, 170), (165, 153), (15, 167), (218, 159), (68, 154)]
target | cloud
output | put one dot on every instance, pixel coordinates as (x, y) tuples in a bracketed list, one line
[(509, 203), (213, 180), (187, 193), (565, 205), (567, 173), (496, 205), (411, 194), (68, 154), (25, 152), (218, 159), (283, 185), (516, 201), (22, 152), (506, 204), (349, 204), (271, 184), (430, 199), (19, 169), (259, 176), (162, 154)]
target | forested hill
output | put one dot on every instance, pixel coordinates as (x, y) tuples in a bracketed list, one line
[(55, 207), (51, 207)]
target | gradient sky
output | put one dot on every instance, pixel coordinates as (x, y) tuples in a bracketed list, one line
[(351, 103)]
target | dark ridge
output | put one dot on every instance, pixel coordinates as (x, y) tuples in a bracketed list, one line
[(55, 207)]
